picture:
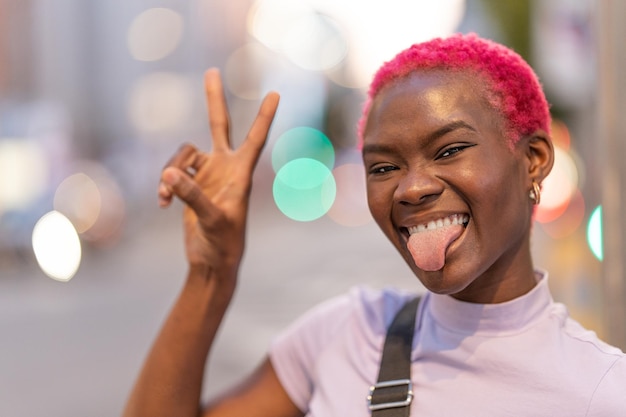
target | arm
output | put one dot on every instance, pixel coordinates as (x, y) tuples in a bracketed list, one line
[(215, 188)]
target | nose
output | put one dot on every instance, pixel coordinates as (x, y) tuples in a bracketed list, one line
[(417, 187)]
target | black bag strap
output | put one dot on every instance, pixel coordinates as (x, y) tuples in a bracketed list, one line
[(391, 396)]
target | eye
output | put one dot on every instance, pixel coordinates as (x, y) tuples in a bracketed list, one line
[(381, 169), (452, 150)]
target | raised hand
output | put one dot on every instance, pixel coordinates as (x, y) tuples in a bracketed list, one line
[(215, 186)]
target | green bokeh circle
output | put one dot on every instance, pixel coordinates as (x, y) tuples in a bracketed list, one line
[(304, 189), (594, 233), (302, 142)]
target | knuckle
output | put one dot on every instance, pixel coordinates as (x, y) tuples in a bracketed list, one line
[(186, 148), (181, 155), (192, 195)]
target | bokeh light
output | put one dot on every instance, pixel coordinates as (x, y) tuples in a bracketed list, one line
[(350, 206), (57, 246), (397, 23), (79, 199), (315, 42), (308, 32), (154, 34), (303, 142), (560, 134), (558, 187), (594, 233), (23, 173), (92, 200), (270, 20), (310, 39), (243, 72), (567, 222), (304, 189), (160, 103)]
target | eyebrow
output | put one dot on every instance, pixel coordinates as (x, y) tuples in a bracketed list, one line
[(442, 131)]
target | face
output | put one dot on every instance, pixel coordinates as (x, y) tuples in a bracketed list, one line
[(438, 167)]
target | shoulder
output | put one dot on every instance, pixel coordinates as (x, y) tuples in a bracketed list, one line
[(608, 398), (589, 340), (602, 366), (360, 316), (348, 326), (361, 306), (375, 309)]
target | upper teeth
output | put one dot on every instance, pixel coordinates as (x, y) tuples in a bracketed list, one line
[(439, 223)]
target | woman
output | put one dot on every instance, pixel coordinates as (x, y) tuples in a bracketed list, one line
[(455, 140)]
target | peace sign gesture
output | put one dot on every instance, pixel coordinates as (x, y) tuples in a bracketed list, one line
[(215, 186)]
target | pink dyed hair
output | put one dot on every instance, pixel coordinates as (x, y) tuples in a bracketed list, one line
[(516, 91)]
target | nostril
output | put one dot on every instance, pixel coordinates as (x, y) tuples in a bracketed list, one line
[(419, 200), (418, 188)]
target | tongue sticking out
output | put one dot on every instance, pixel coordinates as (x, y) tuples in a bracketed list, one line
[(428, 247)]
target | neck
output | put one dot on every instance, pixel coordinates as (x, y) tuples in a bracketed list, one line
[(502, 282)]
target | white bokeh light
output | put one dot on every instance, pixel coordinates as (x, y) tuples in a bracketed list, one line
[(372, 31), (154, 34), (160, 102), (270, 20), (315, 42), (244, 71), (309, 39), (23, 173), (409, 23), (57, 246)]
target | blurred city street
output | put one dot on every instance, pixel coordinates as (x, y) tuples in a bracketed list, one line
[(73, 349)]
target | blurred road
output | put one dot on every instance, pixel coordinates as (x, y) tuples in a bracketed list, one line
[(73, 349)]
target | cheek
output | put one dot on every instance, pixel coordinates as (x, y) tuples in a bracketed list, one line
[(502, 195), (379, 200)]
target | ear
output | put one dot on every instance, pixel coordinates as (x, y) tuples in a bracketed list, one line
[(539, 154)]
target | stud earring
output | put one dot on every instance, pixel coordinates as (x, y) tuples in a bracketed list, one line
[(535, 193)]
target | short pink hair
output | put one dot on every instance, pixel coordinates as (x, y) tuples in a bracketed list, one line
[(517, 93)]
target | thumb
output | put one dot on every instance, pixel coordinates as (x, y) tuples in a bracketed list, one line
[(185, 188)]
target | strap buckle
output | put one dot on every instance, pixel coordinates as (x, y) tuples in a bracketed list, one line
[(391, 404)]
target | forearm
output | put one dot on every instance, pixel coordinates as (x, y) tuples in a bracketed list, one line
[(215, 188), (170, 382)]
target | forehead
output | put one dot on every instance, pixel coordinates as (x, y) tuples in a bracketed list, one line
[(427, 100)]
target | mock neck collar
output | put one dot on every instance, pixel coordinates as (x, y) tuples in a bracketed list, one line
[(504, 318)]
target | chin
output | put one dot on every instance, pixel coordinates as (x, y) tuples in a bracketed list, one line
[(449, 280), (444, 281)]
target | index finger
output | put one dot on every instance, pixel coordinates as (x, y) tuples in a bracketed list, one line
[(218, 110)]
